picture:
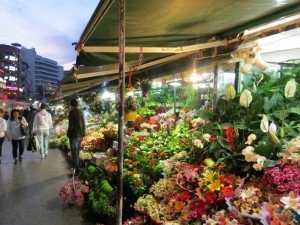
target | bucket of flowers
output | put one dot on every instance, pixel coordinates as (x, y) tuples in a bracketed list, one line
[(73, 192)]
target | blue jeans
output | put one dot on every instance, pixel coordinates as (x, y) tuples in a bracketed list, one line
[(15, 145), (75, 148), (43, 136)]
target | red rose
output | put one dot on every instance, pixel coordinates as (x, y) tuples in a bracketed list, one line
[(210, 196), (184, 196), (228, 180), (227, 192)]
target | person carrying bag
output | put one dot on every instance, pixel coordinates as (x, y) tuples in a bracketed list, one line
[(16, 134), (41, 126)]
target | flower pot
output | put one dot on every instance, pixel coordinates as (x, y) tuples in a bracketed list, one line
[(130, 116)]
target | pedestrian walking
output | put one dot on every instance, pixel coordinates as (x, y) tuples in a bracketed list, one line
[(15, 134), (6, 115), (30, 118), (76, 131), (3, 128), (41, 126)]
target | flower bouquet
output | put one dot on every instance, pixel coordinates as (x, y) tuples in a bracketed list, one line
[(287, 211), (73, 192), (222, 217), (247, 202)]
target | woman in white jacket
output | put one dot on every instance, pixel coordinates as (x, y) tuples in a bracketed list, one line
[(41, 125)]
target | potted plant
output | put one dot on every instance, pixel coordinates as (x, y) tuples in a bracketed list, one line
[(130, 109), (145, 86)]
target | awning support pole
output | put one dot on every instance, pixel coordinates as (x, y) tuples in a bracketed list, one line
[(237, 77), (121, 109), (215, 91)]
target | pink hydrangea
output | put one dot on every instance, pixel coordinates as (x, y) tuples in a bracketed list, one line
[(284, 177)]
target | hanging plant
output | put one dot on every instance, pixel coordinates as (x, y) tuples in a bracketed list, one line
[(145, 86), (130, 108)]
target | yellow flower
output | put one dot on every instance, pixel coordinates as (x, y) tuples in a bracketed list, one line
[(236, 203), (290, 88), (215, 186), (245, 98), (230, 92), (210, 176), (253, 200), (256, 212), (250, 139), (245, 208)]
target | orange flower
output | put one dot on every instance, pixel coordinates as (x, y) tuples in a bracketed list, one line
[(179, 206)]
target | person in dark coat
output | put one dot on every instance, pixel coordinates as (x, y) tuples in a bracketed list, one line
[(30, 118), (76, 131)]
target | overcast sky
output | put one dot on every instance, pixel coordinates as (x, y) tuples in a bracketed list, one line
[(50, 26)]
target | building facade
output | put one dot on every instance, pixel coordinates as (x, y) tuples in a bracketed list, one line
[(46, 73), (15, 78)]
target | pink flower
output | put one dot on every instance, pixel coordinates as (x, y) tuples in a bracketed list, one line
[(78, 193), (281, 188)]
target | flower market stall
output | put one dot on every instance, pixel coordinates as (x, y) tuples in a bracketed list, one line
[(208, 150), (238, 163)]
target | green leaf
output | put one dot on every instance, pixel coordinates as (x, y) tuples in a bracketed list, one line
[(295, 110), (204, 114), (264, 149), (281, 114), (255, 108), (270, 163), (224, 144)]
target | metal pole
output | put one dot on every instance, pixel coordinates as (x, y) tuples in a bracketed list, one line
[(121, 109), (237, 77), (215, 98)]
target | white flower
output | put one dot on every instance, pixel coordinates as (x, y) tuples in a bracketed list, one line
[(291, 203), (198, 143), (257, 167), (272, 128), (264, 124), (259, 162), (250, 139), (245, 98), (206, 137), (260, 159), (272, 132), (248, 152), (290, 88)]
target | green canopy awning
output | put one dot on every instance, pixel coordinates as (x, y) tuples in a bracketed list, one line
[(160, 30), (171, 23)]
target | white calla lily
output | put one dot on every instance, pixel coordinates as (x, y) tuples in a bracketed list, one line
[(272, 132), (264, 124), (272, 128), (290, 88), (245, 98)]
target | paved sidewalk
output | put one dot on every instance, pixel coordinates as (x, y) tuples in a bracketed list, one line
[(29, 191)]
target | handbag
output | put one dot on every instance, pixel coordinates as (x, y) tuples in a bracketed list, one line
[(24, 130)]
